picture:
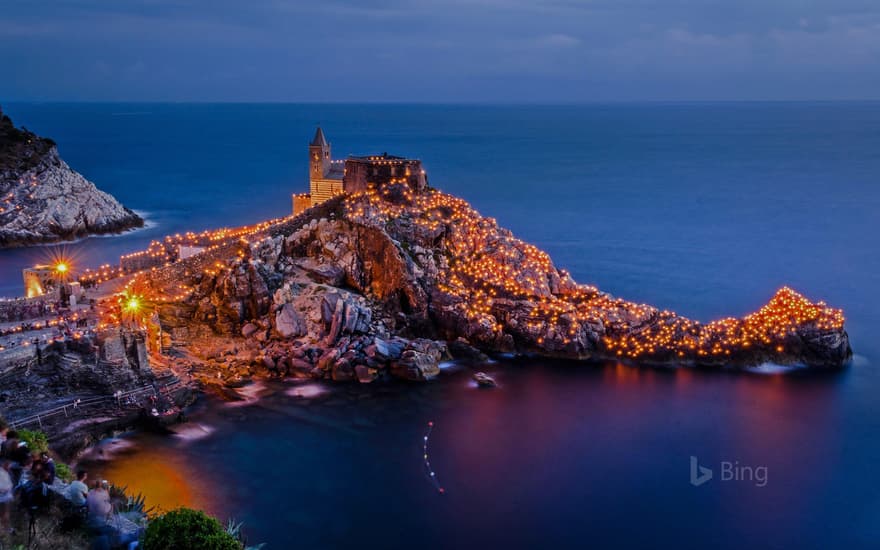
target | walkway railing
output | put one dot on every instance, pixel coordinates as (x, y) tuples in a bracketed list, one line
[(127, 399)]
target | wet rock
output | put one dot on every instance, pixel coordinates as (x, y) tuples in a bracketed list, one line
[(420, 360), (300, 365), (484, 380), (325, 363), (365, 375), (386, 350), (343, 370), (460, 349)]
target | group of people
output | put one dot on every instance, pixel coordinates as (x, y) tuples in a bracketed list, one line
[(27, 478), (23, 474)]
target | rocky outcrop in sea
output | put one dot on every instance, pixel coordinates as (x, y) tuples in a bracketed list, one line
[(43, 200), (390, 282)]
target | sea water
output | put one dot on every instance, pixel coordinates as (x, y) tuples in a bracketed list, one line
[(703, 208)]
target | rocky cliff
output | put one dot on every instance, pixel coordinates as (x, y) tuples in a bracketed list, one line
[(43, 200), (391, 281)]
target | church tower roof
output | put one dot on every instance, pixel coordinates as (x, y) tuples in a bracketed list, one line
[(319, 140)]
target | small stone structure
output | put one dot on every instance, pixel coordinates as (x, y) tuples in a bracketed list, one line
[(301, 202), (38, 280)]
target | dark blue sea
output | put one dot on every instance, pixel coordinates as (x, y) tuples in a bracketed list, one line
[(703, 208)]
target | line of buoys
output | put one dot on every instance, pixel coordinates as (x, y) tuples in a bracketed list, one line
[(428, 470)]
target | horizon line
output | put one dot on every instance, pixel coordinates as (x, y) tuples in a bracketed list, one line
[(429, 103)]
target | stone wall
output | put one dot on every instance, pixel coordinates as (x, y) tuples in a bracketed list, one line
[(360, 172), (124, 348), (301, 203)]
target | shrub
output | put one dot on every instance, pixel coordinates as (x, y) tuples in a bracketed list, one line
[(37, 441), (63, 472), (190, 529)]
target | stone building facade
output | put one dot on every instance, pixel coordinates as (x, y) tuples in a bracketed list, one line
[(329, 177)]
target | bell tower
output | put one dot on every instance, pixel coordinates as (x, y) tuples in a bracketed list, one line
[(319, 156)]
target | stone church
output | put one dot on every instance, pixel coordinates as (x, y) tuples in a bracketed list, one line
[(328, 177)]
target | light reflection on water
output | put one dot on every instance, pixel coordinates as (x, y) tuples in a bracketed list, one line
[(702, 208), (522, 464)]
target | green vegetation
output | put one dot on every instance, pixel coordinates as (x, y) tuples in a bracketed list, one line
[(191, 529), (37, 441), (234, 529), (62, 471), (21, 149)]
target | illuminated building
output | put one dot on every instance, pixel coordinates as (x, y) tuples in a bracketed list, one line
[(45, 279), (328, 177)]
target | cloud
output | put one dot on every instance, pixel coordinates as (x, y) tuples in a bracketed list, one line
[(359, 50), (558, 40)]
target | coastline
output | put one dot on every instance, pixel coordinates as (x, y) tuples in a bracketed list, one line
[(148, 223), (130, 224)]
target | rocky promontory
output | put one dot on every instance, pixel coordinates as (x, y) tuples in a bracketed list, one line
[(42, 200), (391, 281)]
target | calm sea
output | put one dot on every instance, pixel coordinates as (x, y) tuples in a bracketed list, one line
[(702, 208)]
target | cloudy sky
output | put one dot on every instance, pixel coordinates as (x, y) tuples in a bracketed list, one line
[(439, 50)]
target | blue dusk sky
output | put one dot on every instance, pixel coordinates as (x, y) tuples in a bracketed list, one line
[(439, 50)]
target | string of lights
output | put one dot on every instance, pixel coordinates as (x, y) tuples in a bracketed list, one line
[(488, 267), (429, 471)]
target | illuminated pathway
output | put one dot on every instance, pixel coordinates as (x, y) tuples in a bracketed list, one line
[(499, 292), (491, 273)]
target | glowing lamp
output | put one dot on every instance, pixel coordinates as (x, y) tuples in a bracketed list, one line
[(62, 267), (133, 304)]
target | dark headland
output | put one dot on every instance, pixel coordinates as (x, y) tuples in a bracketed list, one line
[(43, 200)]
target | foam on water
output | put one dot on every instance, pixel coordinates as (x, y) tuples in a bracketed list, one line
[(193, 431), (307, 391), (107, 449), (250, 394), (773, 368)]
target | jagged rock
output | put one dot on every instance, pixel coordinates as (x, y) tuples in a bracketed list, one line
[(418, 268), (343, 370), (300, 365), (386, 350), (419, 361), (344, 314), (249, 329), (325, 363), (289, 323), (415, 365), (460, 349), (324, 273)]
